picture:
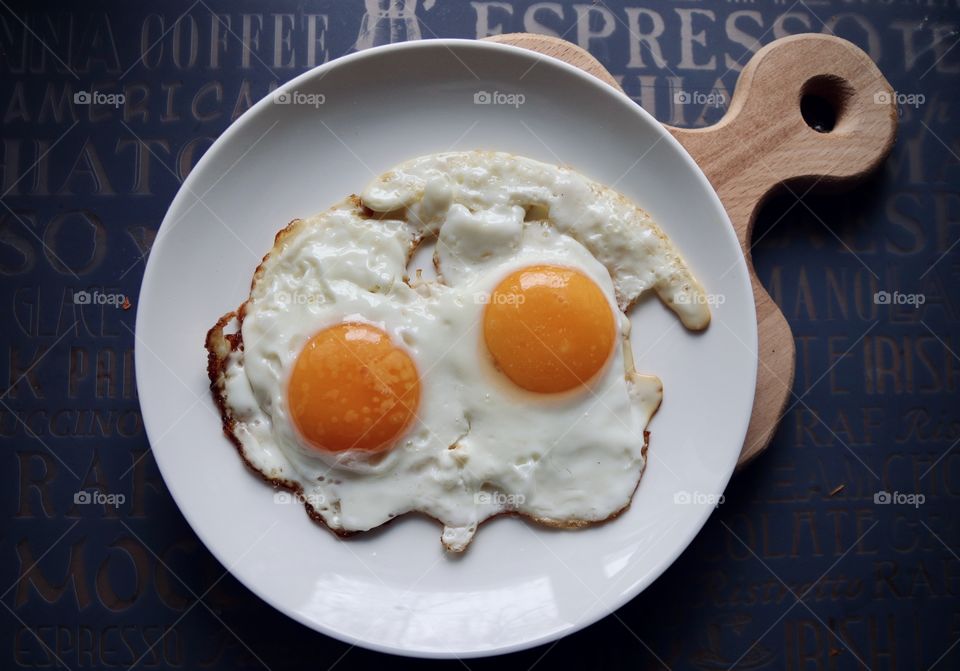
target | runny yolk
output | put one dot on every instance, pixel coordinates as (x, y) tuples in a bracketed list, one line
[(549, 328), (351, 387)]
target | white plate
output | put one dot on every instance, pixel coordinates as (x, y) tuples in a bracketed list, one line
[(393, 589)]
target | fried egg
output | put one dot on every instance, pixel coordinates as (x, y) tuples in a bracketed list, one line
[(505, 385)]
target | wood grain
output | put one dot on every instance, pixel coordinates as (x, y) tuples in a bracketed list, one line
[(761, 145)]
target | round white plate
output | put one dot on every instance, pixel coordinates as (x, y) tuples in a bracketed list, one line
[(394, 589)]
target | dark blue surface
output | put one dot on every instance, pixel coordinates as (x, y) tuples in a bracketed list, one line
[(95, 586)]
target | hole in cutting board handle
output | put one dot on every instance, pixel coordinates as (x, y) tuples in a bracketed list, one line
[(823, 102)]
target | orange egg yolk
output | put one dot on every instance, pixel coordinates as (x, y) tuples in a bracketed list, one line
[(549, 328), (353, 388)]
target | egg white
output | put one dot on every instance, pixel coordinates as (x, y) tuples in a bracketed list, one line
[(479, 446)]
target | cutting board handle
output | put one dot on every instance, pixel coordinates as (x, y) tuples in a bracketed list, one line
[(762, 144)]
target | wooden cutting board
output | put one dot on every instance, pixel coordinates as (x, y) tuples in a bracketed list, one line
[(763, 144)]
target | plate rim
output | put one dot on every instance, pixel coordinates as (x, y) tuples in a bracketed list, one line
[(609, 606)]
